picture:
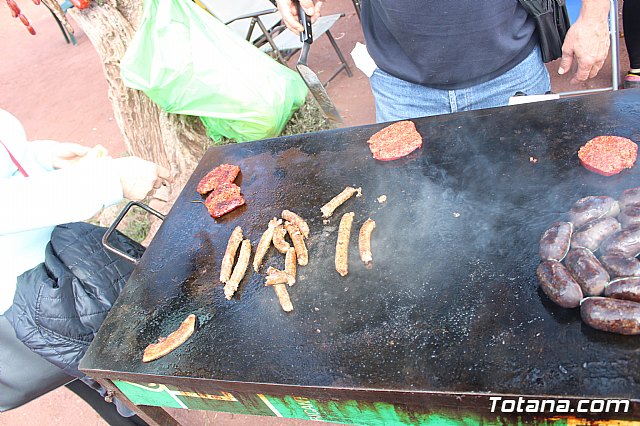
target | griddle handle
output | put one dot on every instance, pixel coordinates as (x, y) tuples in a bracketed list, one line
[(116, 222)]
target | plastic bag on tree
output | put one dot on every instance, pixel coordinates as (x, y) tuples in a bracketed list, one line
[(190, 63)]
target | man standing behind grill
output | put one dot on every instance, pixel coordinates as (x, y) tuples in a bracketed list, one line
[(441, 56), (56, 282)]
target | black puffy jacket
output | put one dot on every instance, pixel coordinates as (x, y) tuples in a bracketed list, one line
[(59, 305)]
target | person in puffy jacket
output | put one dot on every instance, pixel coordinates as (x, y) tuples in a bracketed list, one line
[(44, 184)]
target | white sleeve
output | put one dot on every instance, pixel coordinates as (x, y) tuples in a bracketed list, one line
[(60, 196)]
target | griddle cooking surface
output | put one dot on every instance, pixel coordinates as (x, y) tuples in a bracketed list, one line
[(452, 303)]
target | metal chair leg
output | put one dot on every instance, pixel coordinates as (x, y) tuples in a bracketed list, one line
[(615, 45), (339, 53)]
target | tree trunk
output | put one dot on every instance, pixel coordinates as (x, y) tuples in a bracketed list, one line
[(175, 142)]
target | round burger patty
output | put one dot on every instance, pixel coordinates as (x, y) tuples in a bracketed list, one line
[(608, 155), (395, 141)]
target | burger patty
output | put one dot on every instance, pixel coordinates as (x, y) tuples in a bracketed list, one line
[(395, 141), (608, 155)]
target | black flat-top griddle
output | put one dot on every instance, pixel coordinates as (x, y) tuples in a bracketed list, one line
[(451, 305)]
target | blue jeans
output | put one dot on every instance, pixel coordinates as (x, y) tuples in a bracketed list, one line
[(397, 99)]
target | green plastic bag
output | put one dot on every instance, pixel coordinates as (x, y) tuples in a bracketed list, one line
[(190, 63)]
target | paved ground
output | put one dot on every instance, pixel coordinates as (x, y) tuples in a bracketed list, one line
[(58, 91)]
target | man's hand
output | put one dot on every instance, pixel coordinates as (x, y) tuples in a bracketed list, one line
[(66, 153), (587, 41), (289, 13), (140, 177)]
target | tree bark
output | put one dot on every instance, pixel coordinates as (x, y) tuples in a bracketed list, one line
[(175, 142)]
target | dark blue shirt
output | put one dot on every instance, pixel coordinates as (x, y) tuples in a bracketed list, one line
[(447, 44)]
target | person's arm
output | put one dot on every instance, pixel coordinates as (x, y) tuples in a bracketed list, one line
[(59, 196), (289, 13), (587, 41), (75, 193)]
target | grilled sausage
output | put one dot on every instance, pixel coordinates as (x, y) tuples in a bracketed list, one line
[(278, 239), (342, 245), (585, 268), (594, 233), (625, 242), (629, 215), (298, 243), (328, 209), (297, 221), (619, 265), (238, 272), (613, 315), (364, 241), (172, 341), (265, 243), (557, 283), (283, 297), (555, 242), (624, 288), (629, 196), (589, 208), (290, 266), (276, 276), (230, 254)]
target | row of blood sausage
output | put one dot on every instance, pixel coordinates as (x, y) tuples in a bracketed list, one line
[(607, 286)]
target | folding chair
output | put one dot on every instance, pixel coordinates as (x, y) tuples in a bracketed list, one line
[(271, 37), (573, 6)]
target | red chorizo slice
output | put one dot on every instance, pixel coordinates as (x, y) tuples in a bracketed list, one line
[(224, 173)]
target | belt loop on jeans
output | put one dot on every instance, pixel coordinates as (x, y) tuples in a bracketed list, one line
[(452, 101)]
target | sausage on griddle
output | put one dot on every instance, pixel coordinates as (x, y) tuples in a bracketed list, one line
[(297, 221), (558, 284), (612, 315), (283, 297), (276, 276), (238, 272), (230, 254), (627, 288), (278, 239), (290, 266), (594, 233), (620, 265), (590, 208), (629, 215), (364, 241), (342, 245), (585, 268), (328, 209), (298, 243), (555, 242), (625, 242), (172, 341), (265, 242), (629, 196)]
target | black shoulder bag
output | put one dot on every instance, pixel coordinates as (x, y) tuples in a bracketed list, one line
[(552, 23)]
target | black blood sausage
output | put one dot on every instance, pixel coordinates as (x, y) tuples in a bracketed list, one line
[(555, 242), (594, 233), (585, 268), (557, 283), (624, 288), (613, 315), (625, 242), (619, 265), (629, 196), (629, 215), (593, 207)]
